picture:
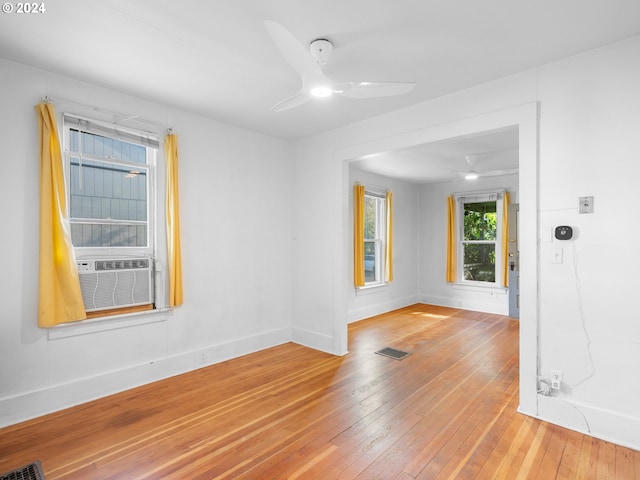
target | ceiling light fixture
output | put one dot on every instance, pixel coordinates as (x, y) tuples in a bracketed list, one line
[(471, 173), (308, 61), (321, 91)]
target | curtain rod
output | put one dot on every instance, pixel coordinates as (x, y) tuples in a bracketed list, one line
[(122, 117), (480, 192), (378, 188)]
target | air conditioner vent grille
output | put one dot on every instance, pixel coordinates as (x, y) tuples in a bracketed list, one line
[(122, 264), (108, 283)]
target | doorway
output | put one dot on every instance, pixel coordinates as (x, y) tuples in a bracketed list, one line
[(525, 117)]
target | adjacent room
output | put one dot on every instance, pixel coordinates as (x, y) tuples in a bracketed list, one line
[(221, 215)]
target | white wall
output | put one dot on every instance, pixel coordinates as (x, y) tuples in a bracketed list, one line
[(590, 328), (587, 145), (402, 291), (239, 299), (236, 197), (432, 248)]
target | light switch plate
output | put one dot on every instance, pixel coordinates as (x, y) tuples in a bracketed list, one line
[(586, 205)]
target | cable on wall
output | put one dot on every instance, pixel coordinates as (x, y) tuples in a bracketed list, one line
[(582, 319)]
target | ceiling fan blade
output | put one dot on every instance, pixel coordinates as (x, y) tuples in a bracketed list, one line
[(291, 102), (498, 173), (296, 54), (314, 82), (376, 89)]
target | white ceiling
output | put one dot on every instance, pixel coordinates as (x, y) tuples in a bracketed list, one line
[(493, 152), (215, 57)]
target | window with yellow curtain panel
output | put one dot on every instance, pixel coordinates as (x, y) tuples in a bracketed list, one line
[(111, 187), (481, 220), (373, 249)]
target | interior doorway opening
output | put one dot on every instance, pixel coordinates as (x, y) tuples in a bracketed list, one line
[(524, 118)]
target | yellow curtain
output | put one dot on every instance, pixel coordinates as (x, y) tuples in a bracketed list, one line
[(358, 235), (451, 276), (59, 294), (174, 256), (388, 257), (505, 239)]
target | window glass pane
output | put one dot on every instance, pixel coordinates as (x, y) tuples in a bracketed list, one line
[(103, 235), (373, 243), (369, 262), (73, 140), (103, 192), (369, 217), (105, 147), (480, 221), (480, 262)]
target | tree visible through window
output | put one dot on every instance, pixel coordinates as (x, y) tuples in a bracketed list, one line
[(480, 240)]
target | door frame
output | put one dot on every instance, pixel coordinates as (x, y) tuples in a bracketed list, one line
[(525, 117), (513, 257)]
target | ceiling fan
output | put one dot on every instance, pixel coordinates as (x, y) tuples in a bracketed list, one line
[(472, 173), (309, 62)]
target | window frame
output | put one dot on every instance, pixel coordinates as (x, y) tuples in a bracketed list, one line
[(74, 122), (378, 240), (479, 197)]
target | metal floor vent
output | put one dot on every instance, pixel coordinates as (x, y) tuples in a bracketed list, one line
[(393, 353), (33, 471)]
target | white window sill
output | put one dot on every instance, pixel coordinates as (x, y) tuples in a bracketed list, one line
[(369, 289), (104, 324)]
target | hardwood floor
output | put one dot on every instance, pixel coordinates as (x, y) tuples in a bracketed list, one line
[(446, 411)]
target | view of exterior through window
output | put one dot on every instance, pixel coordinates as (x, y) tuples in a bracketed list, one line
[(109, 191), (479, 247), (110, 173), (373, 238)]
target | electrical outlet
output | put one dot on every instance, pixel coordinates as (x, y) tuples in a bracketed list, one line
[(556, 379)]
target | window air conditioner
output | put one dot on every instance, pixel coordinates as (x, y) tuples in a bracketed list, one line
[(108, 283)]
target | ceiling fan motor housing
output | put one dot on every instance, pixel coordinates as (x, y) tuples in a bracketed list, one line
[(321, 49), (309, 63)]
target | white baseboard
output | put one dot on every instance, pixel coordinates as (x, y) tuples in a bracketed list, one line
[(475, 305), (315, 340), (380, 308), (27, 405), (603, 424)]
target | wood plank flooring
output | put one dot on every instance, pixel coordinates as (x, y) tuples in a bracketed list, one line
[(446, 411)]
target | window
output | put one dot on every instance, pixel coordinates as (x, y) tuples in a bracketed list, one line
[(374, 238), (480, 227), (110, 174)]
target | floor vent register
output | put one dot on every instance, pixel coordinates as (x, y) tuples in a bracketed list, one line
[(33, 471), (393, 353)]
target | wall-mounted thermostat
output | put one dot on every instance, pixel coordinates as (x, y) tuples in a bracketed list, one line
[(564, 232)]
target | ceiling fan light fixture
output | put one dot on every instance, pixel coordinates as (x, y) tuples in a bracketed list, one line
[(471, 173), (308, 63), (321, 91)]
